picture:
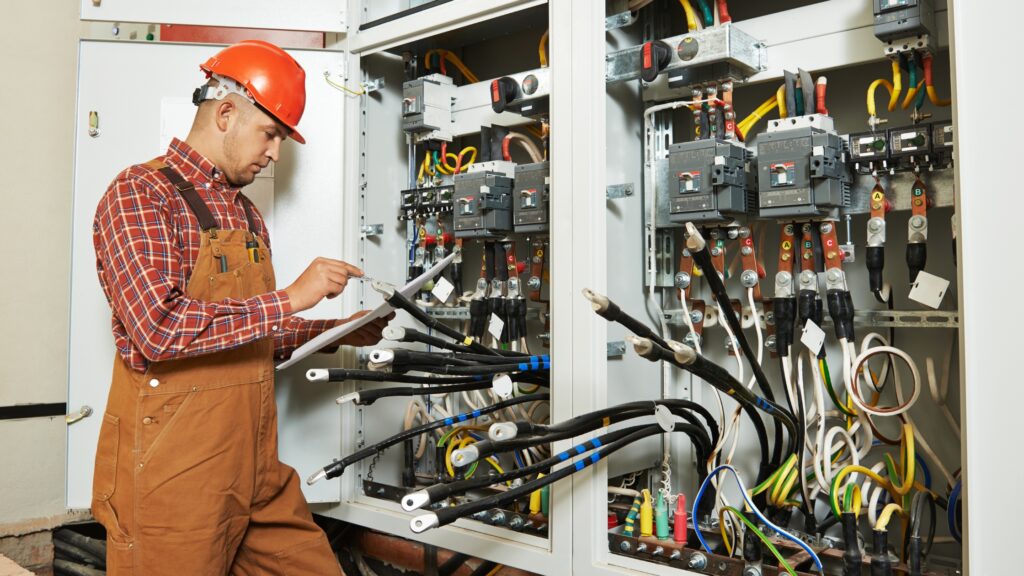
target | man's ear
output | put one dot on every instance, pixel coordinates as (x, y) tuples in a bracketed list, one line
[(223, 113)]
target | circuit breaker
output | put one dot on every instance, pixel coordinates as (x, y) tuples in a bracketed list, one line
[(530, 201), (427, 107), (423, 202), (898, 19), (709, 181), (911, 146), (869, 151), (802, 172), (483, 204)]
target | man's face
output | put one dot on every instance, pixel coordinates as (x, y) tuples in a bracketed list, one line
[(253, 140)]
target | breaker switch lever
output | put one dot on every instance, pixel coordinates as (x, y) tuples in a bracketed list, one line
[(504, 91), (654, 57)]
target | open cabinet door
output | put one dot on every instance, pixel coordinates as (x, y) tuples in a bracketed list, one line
[(139, 96), (319, 15)]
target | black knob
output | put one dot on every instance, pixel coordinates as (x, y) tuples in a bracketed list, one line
[(503, 91), (654, 56)]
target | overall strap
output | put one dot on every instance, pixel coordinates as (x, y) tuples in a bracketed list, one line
[(249, 216), (188, 192)]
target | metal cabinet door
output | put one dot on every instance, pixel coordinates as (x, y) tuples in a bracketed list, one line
[(316, 15), (141, 93)]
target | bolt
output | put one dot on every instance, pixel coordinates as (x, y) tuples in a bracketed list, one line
[(806, 227), (785, 257), (834, 275), (516, 523), (783, 279), (826, 227), (697, 561), (625, 546), (917, 222), (769, 342), (676, 555), (789, 229), (808, 278), (807, 255), (730, 345), (498, 518), (696, 316), (658, 551), (722, 566), (716, 251), (769, 317), (748, 278), (691, 340), (682, 280), (744, 232), (641, 547), (746, 250), (533, 283), (751, 571), (874, 225), (715, 234), (831, 254)]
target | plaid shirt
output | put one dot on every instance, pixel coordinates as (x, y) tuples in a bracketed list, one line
[(147, 242)]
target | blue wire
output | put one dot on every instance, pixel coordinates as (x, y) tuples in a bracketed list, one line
[(924, 469), (519, 459), (951, 511), (746, 498)]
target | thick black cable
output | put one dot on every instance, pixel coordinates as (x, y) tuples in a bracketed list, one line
[(611, 312), (367, 397), (345, 375), (337, 468), (398, 300), (476, 370)]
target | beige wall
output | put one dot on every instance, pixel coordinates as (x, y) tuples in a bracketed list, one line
[(38, 51)]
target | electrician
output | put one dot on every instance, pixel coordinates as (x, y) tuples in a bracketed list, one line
[(187, 477)]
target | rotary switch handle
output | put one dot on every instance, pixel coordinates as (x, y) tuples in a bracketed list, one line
[(654, 57), (504, 91)]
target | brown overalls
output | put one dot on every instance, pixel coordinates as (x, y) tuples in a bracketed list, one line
[(187, 478)]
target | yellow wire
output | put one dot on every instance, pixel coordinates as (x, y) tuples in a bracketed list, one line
[(428, 161), (721, 526), (450, 167), (907, 454), (472, 158), (442, 168), (542, 50), (886, 515), (691, 15), (780, 97), (897, 85), (419, 177), (911, 93), (872, 110), (756, 115), (934, 97), (327, 77), (448, 454)]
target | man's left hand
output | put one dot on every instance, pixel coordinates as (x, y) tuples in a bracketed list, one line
[(366, 335)]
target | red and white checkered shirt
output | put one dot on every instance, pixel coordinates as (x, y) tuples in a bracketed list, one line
[(147, 242)]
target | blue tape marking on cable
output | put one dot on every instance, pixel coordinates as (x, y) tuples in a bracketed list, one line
[(547, 365), (563, 456), (478, 378), (524, 367), (448, 421), (463, 417), (476, 413), (596, 442), (580, 465), (534, 362), (580, 449), (595, 457)]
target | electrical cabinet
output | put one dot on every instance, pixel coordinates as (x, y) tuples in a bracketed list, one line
[(577, 169)]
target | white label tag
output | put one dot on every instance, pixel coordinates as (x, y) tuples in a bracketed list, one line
[(496, 326), (442, 290), (929, 289), (813, 337), (664, 417), (502, 385)]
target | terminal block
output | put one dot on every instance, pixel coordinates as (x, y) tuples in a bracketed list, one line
[(896, 20), (530, 201), (483, 205), (910, 147), (709, 181), (869, 152), (427, 107), (801, 169), (420, 202)]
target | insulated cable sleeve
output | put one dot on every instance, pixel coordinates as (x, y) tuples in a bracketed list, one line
[(346, 375), (445, 516), (480, 370), (404, 357), (367, 397), (611, 312), (443, 490), (337, 468), (398, 300), (410, 335)]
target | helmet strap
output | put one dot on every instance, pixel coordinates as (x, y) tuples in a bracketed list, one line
[(224, 87)]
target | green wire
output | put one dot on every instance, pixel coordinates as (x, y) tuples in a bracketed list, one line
[(767, 542), (709, 17), (831, 392)]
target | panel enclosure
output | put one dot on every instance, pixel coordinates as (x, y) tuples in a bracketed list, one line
[(299, 201), (321, 15)]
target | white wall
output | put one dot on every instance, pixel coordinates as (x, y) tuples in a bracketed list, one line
[(38, 44)]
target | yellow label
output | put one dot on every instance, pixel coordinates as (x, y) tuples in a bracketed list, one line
[(786, 245), (877, 196)]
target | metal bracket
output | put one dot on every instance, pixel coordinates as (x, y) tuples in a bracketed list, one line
[(371, 86), (84, 412), (617, 191), (372, 230), (616, 349), (620, 20)]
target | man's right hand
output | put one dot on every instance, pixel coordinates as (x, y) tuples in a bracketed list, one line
[(323, 278)]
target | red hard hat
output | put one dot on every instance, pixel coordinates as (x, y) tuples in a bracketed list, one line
[(276, 81)]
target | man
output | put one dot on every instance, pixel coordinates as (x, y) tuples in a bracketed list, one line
[(187, 475)]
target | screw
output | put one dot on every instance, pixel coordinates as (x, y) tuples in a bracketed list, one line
[(625, 546), (917, 222), (533, 283), (722, 566), (498, 518), (658, 551), (697, 561), (516, 523), (748, 278), (716, 251), (833, 275), (730, 346), (676, 555), (789, 229), (806, 227), (696, 316), (682, 280), (751, 571), (744, 232), (769, 317), (769, 342), (641, 547), (874, 225), (783, 279), (746, 250), (826, 228)]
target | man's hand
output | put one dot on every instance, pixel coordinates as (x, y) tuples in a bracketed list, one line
[(323, 278), (367, 335)]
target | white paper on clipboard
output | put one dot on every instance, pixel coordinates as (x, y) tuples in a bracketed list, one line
[(332, 335)]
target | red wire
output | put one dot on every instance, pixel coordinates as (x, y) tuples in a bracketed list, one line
[(819, 96), (928, 71), (723, 12), (505, 154)]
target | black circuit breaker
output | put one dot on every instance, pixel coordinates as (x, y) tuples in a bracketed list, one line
[(709, 181), (869, 151), (422, 202), (483, 205), (942, 144), (801, 172), (899, 19), (530, 200), (910, 147)]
